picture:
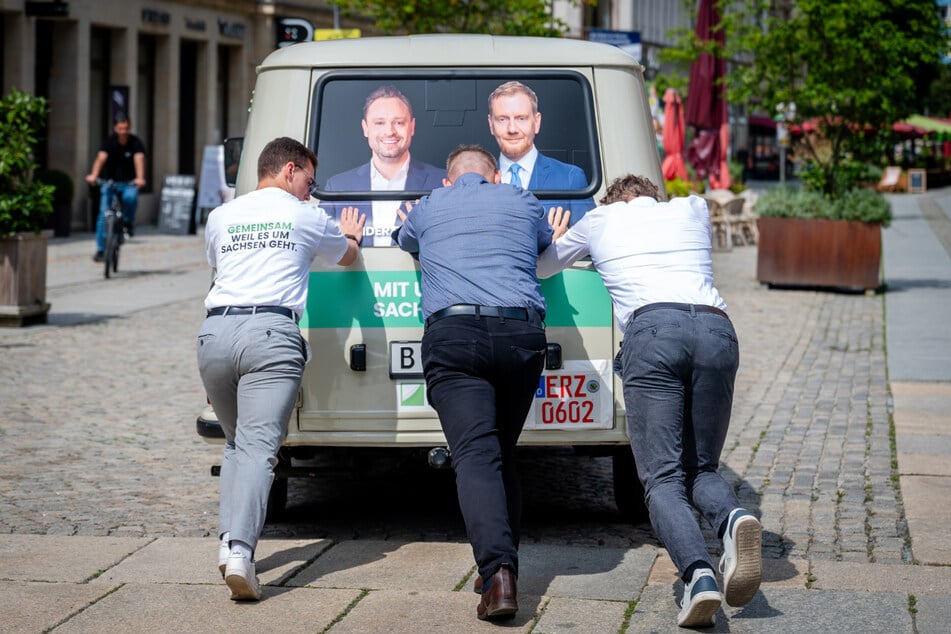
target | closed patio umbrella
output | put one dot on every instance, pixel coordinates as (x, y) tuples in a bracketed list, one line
[(673, 137), (706, 104), (723, 180)]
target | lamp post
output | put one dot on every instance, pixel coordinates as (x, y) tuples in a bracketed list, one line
[(785, 112)]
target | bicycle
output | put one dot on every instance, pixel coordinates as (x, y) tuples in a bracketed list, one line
[(114, 222)]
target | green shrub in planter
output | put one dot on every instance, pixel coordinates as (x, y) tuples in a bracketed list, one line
[(24, 203), (784, 202), (862, 205)]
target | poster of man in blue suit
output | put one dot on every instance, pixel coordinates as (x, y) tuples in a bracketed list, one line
[(388, 125), (514, 121)]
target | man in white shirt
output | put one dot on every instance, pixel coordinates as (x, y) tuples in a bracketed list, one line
[(388, 125), (678, 363), (251, 355)]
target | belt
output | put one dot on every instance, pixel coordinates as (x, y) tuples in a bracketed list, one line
[(504, 312), (698, 308), (251, 310)]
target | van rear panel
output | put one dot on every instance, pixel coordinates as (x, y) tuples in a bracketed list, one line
[(364, 385)]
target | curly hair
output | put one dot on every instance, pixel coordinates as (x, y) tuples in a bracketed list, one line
[(627, 188)]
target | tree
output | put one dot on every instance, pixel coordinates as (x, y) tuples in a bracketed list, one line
[(853, 66), (493, 17)]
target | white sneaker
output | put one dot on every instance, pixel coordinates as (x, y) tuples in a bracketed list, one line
[(241, 578), (701, 600), (741, 564), (223, 551)]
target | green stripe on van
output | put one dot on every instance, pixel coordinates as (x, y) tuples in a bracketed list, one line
[(378, 299)]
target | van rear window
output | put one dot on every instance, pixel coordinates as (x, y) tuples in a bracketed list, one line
[(384, 137)]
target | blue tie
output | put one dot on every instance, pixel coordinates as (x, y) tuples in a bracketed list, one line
[(515, 180)]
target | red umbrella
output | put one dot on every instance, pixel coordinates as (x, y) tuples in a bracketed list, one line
[(706, 104), (673, 137), (723, 180)]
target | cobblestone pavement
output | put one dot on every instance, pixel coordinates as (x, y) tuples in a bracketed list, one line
[(97, 431)]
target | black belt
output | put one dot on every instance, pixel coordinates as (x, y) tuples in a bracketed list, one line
[(699, 308), (251, 310), (504, 312)]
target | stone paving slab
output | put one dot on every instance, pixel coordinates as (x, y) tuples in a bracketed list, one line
[(208, 609), (58, 558), (933, 615), (929, 518), (899, 578), (783, 610), (38, 606), (777, 573), (389, 565), (195, 560), (922, 428), (412, 612), (569, 616), (584, 573)]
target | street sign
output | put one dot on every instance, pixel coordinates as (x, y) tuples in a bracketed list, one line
[(336, 34), (627, 41), (293, 30)]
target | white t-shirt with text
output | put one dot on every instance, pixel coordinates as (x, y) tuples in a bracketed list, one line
[(262, 244)]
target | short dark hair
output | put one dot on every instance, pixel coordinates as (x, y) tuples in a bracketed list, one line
[(386, 92), (629, 187), (470, 158), (281, 151)]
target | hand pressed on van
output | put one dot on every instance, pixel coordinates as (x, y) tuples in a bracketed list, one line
[(351, 224), (558, 218)]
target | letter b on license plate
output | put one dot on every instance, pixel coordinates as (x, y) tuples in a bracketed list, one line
[(405, 361)]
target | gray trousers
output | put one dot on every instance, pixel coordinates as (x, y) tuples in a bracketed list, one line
[(678, 371), (251, 367)]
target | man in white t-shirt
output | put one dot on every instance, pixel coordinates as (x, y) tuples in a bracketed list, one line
[(678, 364), (251, 354)]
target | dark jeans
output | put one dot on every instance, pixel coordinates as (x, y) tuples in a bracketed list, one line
[(129, 194), (481, 376), (679, 368)]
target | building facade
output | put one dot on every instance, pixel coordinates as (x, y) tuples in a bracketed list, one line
[(182, 71)]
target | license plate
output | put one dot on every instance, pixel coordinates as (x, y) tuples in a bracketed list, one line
[(575, 398), (405, 360)]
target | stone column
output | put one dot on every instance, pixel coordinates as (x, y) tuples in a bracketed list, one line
[(19, 37)]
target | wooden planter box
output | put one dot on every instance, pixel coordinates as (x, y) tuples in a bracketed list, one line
[(23, 279), (824, 253)]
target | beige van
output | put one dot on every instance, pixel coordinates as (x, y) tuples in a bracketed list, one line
[(364, 387)]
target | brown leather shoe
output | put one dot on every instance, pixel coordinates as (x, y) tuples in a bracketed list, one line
[(477, 585), (500, 600)]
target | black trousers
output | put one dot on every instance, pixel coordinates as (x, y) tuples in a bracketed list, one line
[(481, 376)]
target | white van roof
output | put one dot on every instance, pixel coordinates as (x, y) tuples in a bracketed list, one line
[(448, 50)]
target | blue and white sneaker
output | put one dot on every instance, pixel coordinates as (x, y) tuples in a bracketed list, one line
[(741, 564), (701, 600)]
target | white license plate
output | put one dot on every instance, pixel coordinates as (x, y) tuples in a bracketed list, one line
[(405, 361), (575, 398)]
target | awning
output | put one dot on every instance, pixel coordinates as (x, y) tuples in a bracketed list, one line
[(761, 122), (908, 130), (932, 124)]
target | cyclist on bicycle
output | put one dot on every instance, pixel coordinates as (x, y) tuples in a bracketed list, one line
[(121, 159)]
